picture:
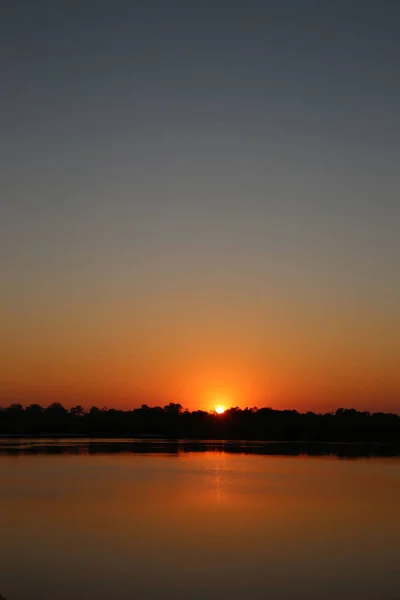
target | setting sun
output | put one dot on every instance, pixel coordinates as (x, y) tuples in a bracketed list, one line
[(219, 410)]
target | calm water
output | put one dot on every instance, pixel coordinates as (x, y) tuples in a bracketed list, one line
[(195, 525)]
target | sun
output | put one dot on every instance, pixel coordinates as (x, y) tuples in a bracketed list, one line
[(219, 410)]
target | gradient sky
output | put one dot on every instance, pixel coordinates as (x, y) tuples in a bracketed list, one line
[(200, 202)]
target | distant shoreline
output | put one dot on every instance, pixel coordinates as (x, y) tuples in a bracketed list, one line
[(76, 445), (172, 422)]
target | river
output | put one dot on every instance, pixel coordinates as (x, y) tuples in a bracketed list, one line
[(115, 520)]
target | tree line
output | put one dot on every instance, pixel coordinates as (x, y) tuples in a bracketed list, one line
[(172, 421)]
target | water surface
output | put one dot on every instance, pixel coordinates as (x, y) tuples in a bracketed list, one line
[(208, 524)]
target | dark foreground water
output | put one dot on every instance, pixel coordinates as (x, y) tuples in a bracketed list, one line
[(148, 520)]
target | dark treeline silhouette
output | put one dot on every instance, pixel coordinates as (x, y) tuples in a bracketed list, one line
[(172, 421)]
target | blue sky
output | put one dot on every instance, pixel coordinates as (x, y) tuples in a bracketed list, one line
[(188, 176)]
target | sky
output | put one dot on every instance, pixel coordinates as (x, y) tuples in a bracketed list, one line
[(200, 203)]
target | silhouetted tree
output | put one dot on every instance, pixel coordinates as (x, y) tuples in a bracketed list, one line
[(77, 411)]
